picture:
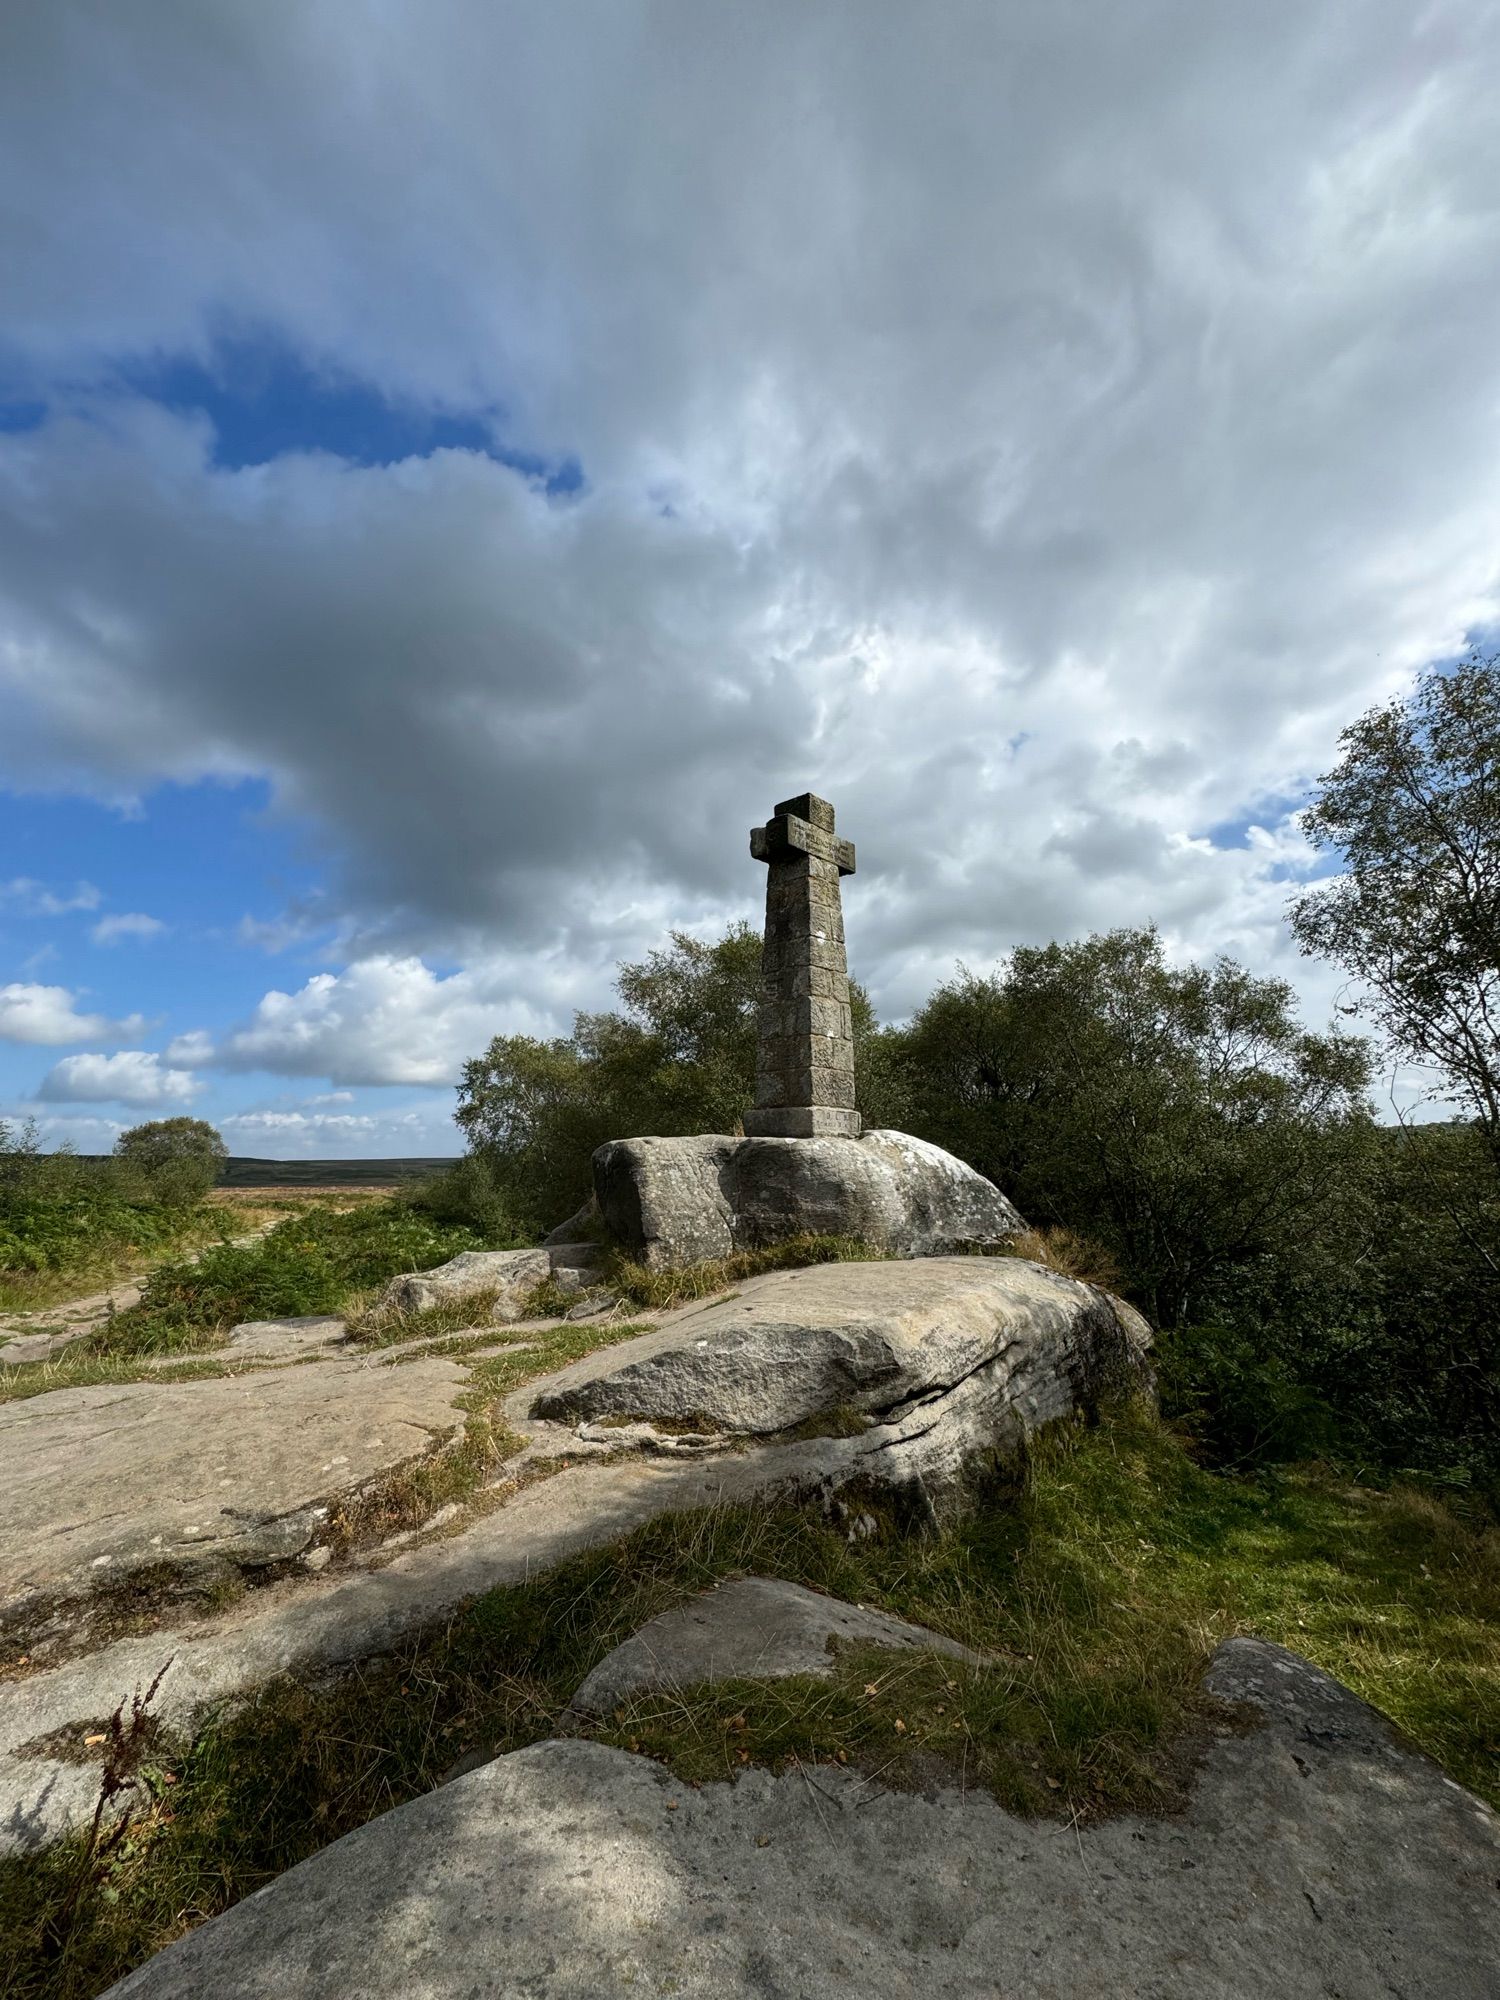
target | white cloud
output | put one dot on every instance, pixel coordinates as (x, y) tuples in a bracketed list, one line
[(48, 1015), (381, 1021), (34, 899), (1040, 437), (412, 1130), (128, 924), (194, 1050), (132, 1076)]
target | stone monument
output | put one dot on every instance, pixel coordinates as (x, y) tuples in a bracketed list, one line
[(804, 1077), (803, 1166)]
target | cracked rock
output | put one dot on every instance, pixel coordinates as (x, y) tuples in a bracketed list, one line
[(948, 1361)]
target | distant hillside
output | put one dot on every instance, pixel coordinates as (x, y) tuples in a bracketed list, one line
[(244, 1173)]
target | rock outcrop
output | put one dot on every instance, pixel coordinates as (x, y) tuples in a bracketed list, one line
[(173, 1485), (752, 1628), (1316, 1856), (680, 1201), (286, 1339), (948, 1363), (503, 1277)]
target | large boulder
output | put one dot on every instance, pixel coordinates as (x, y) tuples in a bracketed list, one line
[(680, 1201), (1317, 1855), (920, 1374)]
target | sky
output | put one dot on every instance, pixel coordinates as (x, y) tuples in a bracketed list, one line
[(461, 464)]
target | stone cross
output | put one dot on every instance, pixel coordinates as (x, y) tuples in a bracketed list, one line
[(804, 1072)]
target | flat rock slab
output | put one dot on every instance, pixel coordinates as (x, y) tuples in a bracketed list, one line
[(286, 1339), (1316, 1858), (100, 1484), (26, 1347), (754, 1628)]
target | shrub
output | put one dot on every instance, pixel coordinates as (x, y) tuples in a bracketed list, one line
[(179, 1159), (469, 1195), (1242, 1408), (311, 1263), (60, 1213)]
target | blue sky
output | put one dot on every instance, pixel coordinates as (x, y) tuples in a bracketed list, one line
[(459, 469), (182, 905)]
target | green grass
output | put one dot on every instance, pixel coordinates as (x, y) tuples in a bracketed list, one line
[(74, 1370), (318, 1259), (109, 1245), (1100, 1586)]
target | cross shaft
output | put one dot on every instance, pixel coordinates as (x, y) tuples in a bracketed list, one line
[(804, 1081)]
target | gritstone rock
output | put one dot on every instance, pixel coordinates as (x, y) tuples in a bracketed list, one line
[(202, 1478), (679, 1201), (1316, 1856), (754, 1628), (509, 1274), (949, 1361), (286, 1339)]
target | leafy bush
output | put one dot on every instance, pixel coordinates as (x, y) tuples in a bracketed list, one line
[(60, 1213), (1180, 1117), (469, 1195), (311, 1263), (179, 1159), (1242, 1408)]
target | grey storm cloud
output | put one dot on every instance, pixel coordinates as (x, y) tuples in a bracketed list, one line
[(1040, 427)]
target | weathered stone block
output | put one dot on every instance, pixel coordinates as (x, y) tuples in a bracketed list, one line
[(679, 1201)]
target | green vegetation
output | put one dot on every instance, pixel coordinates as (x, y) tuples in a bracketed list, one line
[(178, 1158), (1412, 810), (316, 1261), (1100, 1586), (660, 1291), (319, 1258), (66, 1223)]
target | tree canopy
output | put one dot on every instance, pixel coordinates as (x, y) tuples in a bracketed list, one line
[(1413, 810), (1181, 1115), (179, 1158)]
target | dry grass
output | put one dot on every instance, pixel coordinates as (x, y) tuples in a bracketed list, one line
[(660, 1291), (1072, 1255)]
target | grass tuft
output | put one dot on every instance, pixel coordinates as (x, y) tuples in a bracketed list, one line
[(1069, 1254), (660, 1291)]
